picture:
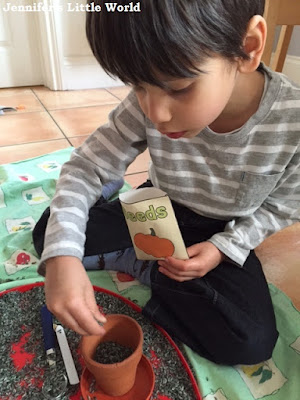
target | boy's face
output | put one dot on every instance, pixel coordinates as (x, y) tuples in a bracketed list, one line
[(188, 105)]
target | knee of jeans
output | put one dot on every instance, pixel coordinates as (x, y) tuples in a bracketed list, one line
[(38, 233), (38, 243), (250, 350), (261, 348)]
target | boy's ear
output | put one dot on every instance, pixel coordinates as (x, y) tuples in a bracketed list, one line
[(254, 44)]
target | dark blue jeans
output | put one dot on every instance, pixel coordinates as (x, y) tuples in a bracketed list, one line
[(227, 316)]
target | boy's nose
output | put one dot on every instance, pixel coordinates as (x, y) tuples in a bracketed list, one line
[(157, 109)]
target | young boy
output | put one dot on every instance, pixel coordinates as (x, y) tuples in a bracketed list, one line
[(223, 134)]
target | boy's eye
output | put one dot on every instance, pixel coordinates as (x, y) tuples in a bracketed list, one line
[(179, 91), (170, 91)]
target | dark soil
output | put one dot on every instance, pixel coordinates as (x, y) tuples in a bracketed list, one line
[(111, 353)]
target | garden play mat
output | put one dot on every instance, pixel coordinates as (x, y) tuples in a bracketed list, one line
[(26, 189)]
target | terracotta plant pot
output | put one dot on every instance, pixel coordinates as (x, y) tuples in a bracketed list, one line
[(115, 379)]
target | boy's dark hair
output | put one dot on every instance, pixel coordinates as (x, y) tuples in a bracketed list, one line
[(172, 37)]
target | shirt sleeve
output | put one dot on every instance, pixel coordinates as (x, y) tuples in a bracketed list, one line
[(103, 157), (280, 209)]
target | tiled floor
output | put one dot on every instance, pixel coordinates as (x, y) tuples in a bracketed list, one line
[(49, 121)]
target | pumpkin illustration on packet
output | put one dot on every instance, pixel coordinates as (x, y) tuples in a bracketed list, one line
[(154, 245), (152, 224)]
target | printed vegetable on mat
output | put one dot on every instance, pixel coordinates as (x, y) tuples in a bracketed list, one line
[(154, 245)]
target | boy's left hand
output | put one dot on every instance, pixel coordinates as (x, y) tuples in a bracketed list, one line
[(203, 258)]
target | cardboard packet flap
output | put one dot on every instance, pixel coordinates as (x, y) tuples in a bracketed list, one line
[(136, 195)]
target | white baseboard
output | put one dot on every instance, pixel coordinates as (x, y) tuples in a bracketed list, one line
[(83, 72), (292, 68)]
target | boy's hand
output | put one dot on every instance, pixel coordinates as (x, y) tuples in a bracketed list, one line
[(70, 296), (203, 258)]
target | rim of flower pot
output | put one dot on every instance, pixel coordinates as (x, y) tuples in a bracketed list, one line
[(138, 349)]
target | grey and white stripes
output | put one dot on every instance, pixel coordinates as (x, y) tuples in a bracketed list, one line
[(250, 178)]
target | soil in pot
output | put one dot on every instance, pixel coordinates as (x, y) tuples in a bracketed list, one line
[(111, 353)]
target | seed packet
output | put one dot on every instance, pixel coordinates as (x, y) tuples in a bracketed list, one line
[(152, 224)]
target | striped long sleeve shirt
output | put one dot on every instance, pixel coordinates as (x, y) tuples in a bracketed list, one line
[(250, 177)]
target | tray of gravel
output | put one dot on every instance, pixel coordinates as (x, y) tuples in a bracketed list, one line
[(23, 361)]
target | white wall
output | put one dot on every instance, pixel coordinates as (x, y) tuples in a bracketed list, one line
[(292, 61), (79, 68), (294, 48)]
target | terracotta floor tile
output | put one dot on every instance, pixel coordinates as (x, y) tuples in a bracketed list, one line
[(120, 91), (82, 121), (77, 141), (15, 91), (136, 179), (140, 164), (21, 152), (26, 99), (27, 128), (280, 258), (56, 100)]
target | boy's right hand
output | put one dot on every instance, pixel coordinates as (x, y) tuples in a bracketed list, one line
[(70, 296)]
